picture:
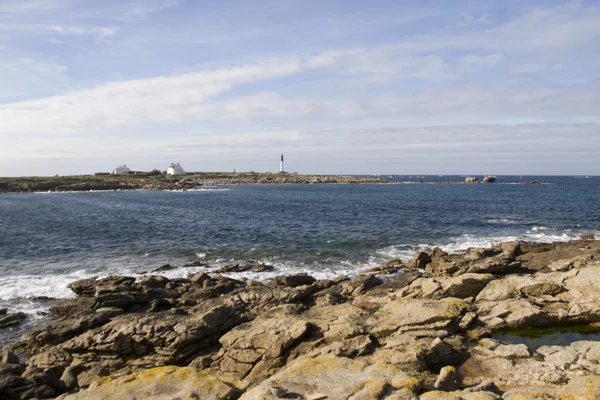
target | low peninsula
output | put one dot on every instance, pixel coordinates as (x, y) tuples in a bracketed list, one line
[(422, 329), (161, 181)]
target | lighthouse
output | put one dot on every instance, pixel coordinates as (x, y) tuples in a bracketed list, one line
[(281, 171)]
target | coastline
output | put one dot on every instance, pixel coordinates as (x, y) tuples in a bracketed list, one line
[(390, 331), (81, 183)]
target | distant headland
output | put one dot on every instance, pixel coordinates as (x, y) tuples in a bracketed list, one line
[(157, 180)]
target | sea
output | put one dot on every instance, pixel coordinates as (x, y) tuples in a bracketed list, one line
[(50, 239)]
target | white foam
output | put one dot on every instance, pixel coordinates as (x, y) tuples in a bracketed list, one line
[(14, 290), (505, 221)]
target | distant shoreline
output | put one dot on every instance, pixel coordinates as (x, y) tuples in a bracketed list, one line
[(85, 183)]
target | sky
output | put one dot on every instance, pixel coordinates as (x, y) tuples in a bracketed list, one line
[(338, 86)]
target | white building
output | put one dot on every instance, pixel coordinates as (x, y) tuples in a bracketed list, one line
[(175, 169), (122, 170)]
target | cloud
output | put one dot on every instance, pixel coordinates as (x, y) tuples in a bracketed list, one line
[(173, 99)]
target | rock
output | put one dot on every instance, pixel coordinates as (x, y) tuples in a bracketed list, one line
[(441, 354), (581, 388), (13, 319), (489, 179), (511, 314), (163, 268), (8, 380), (531, 393), (85, 378), (159, 338), (294, 280), (512, 351), (48, 377), (8, 357), (421, 259), (87, 287), (252, 350), (15, 369), (487, 385), (412, 314), (360, 284), (45, 392), (159, 384), (437, 395), (70, 374), (154, 281), (262, 268), (335, 377), (62, 329), (448, 379), (53, 357), (471, 179), (587, 236), (199, 278)]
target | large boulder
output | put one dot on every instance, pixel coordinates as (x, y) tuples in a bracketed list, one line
[(162, 383)]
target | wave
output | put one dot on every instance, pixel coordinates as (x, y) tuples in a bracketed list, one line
[(506, 221), (16, 292)]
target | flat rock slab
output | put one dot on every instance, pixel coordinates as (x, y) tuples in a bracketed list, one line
[(162, 383), (338, 378)]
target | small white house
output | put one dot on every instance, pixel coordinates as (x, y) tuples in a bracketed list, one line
[(175, 169), (122, 170)]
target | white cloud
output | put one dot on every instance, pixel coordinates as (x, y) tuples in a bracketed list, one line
[(171, 99)]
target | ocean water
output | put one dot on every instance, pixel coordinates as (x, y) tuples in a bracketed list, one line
[(50, 239)]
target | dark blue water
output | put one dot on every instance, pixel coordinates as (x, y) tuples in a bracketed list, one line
[(47, 240)]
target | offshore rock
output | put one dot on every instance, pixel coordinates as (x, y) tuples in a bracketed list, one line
[(11, 319)]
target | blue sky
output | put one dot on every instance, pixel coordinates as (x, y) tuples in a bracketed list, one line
[(403, 87)]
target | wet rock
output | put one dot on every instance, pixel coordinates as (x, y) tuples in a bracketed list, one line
[(293, 280), (163, 268), (87, 287), (587, 236), (11, 319)]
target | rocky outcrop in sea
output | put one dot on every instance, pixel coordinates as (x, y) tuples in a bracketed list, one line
[(420, 329)]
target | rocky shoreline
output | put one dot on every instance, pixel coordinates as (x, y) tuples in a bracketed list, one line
[(392, 333), (165, 182)]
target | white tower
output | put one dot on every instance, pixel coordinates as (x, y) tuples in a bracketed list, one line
[(281, 165)]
